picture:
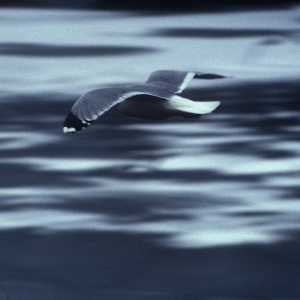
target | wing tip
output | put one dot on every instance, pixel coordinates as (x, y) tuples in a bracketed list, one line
[(73, 124), (214, 104), (69, 129), (209, 76)]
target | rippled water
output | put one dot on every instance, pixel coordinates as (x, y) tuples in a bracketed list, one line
[(131, 209)]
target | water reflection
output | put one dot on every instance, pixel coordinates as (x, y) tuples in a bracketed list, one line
[(105, 265), (220, 33), (44, 50)]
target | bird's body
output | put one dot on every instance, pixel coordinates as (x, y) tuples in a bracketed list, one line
[(144, 107), (156, 99)]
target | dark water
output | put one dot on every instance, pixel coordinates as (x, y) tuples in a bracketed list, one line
[(129, 209)]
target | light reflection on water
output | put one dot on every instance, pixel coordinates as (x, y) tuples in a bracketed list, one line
[(129, 209)]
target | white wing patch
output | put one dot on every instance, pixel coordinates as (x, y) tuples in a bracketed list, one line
[(187, 105), (69, 130), (189, 76)]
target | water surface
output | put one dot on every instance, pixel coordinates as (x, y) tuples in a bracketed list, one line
[(130, 209)]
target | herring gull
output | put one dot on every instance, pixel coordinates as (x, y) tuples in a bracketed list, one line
[(156, 99)]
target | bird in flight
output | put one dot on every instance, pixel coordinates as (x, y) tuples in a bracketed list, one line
[(156, 99)]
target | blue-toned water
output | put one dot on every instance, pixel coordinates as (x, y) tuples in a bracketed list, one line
[(130, 209)]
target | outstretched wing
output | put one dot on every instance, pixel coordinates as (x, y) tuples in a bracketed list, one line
[(173, 81), (92, 105), (176, 81)]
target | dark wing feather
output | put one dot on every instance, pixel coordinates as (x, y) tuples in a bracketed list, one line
[(208, 76), (95, 103)]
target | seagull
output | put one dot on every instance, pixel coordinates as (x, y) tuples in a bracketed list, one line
[(156, 99)]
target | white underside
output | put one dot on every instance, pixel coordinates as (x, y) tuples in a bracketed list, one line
[(187, 105)]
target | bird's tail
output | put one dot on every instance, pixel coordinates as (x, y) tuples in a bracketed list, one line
[(193, 107)]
